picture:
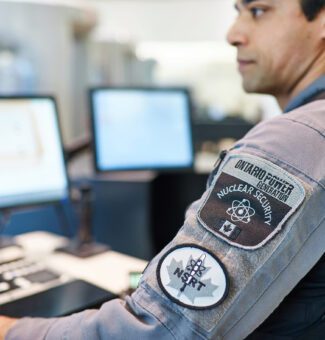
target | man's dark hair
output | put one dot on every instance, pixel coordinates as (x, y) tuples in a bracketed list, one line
[(311, 8)]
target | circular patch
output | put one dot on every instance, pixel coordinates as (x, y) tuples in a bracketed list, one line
[(192, 277)]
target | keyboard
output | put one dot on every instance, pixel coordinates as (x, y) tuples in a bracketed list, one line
[(21, 277), (30, 288)]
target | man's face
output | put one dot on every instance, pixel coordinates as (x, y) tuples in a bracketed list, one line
[(277, 47)]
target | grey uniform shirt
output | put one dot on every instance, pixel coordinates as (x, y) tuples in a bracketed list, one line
[(254, 234)]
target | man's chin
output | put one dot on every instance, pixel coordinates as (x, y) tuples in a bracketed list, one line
[(250, 87)]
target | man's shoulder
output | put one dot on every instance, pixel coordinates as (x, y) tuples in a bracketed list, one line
[(307, 119), (296, 138), (311, 115)]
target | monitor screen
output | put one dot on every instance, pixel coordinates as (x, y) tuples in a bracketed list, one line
[(32, 167), (136, 128)]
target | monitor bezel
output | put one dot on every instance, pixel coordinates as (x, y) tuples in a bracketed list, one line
[(185, 90), (26, 205)]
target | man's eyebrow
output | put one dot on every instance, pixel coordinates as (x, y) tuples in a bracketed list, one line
[(244, 3)]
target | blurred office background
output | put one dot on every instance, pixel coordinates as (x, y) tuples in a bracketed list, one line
[(63, 47)]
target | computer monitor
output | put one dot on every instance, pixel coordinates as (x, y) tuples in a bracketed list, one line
[(141, 128), (32, 166)]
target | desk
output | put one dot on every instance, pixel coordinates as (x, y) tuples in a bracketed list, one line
[(75, 284), (108, 270)]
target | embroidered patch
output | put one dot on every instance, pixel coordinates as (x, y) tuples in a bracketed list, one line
[(249, 202), (192, 277)]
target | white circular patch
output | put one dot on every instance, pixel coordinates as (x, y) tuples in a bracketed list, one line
[(193, 277)]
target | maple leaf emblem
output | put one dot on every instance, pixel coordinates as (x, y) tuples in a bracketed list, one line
[(188, 280)]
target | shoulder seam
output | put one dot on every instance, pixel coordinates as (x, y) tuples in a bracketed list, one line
[(305, 124)]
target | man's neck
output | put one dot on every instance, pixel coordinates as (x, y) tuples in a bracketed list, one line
[(316, 70), (282, 101)]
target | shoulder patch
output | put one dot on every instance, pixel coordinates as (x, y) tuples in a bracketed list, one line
[(192, 277), (250, 200)]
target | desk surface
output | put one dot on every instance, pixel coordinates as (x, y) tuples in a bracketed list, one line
[(109, 270)]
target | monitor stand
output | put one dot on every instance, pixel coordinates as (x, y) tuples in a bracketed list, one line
[(5, 241), (84, 249), (83, 244)]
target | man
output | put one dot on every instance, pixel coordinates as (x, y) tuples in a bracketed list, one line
[(258, 229)]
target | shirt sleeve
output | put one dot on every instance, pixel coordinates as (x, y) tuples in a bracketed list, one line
[(116, 319), (254, 234)]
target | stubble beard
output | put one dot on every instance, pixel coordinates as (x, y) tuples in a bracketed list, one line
[(256, 84)]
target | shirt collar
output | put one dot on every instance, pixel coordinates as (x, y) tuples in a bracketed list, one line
[(307, 94)]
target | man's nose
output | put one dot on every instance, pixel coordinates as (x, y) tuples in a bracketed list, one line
[(236, 35)]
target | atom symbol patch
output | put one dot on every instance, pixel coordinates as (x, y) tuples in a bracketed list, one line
[(249, 201), (241, 211)]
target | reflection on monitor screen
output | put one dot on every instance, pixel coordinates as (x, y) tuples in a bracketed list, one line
[(141, 128), (32, 168)]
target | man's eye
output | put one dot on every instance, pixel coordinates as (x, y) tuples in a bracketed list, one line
[(257, 12)]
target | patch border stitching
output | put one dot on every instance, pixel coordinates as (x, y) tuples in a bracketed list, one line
[(192, 245), (285, 218)]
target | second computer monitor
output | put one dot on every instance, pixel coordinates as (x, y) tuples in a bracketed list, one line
[(141, 128)]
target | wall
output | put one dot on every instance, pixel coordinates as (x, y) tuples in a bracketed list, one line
[(164, 20), (46, 37)]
